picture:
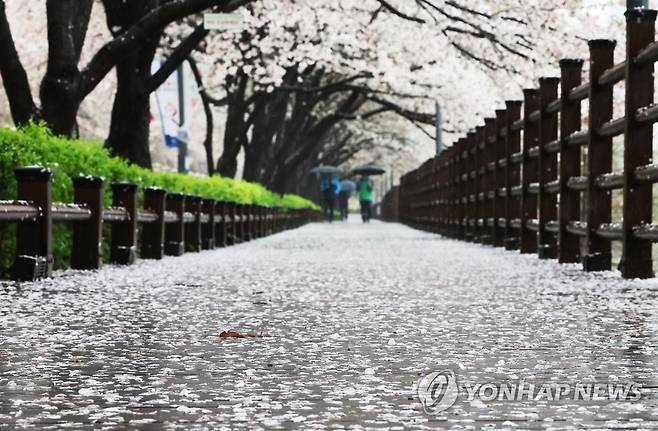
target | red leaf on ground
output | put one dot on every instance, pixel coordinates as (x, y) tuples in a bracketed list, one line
[(235, 334)]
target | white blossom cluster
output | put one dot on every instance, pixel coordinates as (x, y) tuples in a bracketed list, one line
[(469, 56), (469, 60)]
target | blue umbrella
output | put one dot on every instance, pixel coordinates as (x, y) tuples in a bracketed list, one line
[(325, 170), (348, 186)]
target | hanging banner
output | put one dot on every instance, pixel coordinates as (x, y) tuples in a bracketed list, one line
[(167, 104)]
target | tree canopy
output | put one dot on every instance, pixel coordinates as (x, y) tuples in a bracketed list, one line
[(306, 82)]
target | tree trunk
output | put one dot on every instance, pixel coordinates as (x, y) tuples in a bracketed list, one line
[(129, 129), (60, 105), (14, 77), (227, 165), (207, 109), (268, 122), (60, 88), (235, 132)]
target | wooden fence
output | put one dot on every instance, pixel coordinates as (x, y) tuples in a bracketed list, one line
[(532, 179), (389, 206), (172, 223)]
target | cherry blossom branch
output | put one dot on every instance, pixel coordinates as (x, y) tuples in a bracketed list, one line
[(177, 57), (395, 11), (155, 21)]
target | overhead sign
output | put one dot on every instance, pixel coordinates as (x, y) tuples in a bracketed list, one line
[(233, 22)]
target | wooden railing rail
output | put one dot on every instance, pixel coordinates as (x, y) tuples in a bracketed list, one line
[(520, 180), (171, 223)]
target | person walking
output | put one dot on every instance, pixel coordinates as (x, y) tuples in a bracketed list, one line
[(364, 189), (347, 187), (330, 188), (343, 204)]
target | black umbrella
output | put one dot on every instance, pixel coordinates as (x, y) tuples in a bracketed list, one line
[(369, 169), (325, 169)]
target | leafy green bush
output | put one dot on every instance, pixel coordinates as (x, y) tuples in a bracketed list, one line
[(35, 145)]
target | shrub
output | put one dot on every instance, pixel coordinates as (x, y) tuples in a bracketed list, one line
[(68, 158)]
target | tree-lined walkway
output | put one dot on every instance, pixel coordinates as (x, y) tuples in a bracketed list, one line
[(351, 315)]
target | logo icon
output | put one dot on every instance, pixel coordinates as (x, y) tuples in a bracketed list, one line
[(438, 391)]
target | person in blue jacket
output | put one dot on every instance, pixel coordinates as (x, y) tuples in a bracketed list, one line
[(330, 188)]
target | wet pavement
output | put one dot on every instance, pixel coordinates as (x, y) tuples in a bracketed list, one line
[(349, 318)]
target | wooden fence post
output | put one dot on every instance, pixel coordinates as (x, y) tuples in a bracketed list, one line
[(459, 189), (512, 173), (267, 211), (447, 192), (430, 210), (463, 189), (454, 192), (208, 229), (249, 222), (499, 179), (221, 211), (471, 169), (258, 223), (240, 223), (175, 232), (440, 180), (255, 221), (530, 171), (636, 259), (480, 137), (153, 233), (193, 229), (262, 225), (87, 252), (272, 223), (34, 239), (231, 228), (548, 169), (489, 179), (454, 189), (599, 157), (571, 71), (124, 234)]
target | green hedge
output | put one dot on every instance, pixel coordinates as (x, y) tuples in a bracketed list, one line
[(35, 145)]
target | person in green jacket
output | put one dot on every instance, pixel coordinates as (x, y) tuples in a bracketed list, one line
[(364, 190)]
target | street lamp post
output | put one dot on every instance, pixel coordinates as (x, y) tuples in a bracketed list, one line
[(439, 129), (183, 134)]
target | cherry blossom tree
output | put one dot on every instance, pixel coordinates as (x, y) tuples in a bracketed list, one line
[(137, 27), (306, 82), (303, 69)]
